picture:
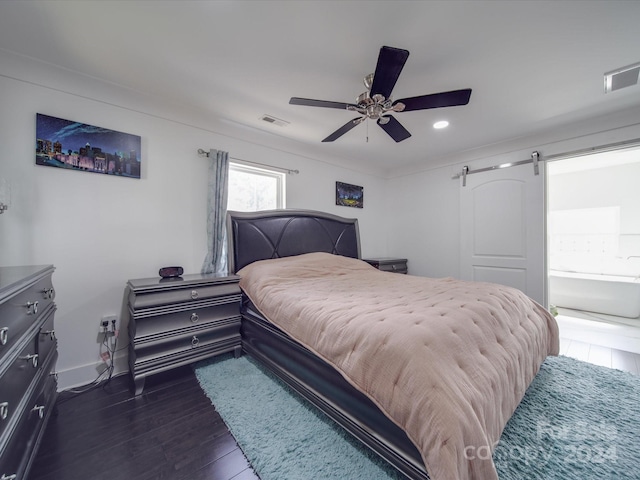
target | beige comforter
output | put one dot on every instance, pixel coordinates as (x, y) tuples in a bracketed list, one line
[(446, 360)]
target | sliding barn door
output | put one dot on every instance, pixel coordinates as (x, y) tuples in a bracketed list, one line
[(503, 229)]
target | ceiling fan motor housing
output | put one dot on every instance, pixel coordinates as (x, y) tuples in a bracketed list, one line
[(374, 108)]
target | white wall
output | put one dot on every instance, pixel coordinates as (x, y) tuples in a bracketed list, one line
[(612, 186), (426, 205), (602, 187), (99, 231)]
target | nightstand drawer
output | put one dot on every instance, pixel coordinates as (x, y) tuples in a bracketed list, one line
[(225, 335), (188, 317), (196, 293), (396, 265)]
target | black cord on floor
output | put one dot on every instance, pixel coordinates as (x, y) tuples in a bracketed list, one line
[(109, 344)]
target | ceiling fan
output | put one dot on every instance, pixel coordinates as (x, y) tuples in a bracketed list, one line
[(376, 103)]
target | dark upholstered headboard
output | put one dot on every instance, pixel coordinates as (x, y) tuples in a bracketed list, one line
[(257, 236)]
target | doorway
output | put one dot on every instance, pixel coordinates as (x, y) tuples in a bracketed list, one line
[(593, 247)]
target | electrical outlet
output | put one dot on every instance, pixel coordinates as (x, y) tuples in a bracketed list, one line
[(108, 323)]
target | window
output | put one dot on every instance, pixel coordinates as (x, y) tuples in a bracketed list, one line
[(583, 239), (252, 188)]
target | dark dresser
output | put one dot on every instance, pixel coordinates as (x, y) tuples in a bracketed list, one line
[(28, 356), (178, 321), (396, 265)]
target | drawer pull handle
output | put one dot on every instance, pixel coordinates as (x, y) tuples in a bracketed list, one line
[(4, 410), (194, 317), (49, 293), (34, 359), (8, 477), (4, 335), (194, 342), (32, 308), (40, 410), (194, 294), (50, 333)]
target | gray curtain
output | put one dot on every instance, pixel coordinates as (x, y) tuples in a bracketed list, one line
[(216, 259)]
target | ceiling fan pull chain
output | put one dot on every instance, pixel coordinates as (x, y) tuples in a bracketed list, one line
[(367, 130)]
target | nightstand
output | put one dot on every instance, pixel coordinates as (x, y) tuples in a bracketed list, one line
[(178, 321), (395, 265)]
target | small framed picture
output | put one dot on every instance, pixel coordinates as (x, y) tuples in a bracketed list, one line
[(349, 195)]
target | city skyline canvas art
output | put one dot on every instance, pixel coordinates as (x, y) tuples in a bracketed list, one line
[(78, 146), (349, 195)]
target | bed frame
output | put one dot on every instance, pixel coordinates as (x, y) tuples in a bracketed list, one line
[(281, 233)]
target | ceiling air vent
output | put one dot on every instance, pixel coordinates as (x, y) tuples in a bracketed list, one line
[(274, 120), (621, 78)]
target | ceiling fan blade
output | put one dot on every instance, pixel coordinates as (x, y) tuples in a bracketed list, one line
[(319, 103), (344, 129), (390, 63), (436, 100), (394, 128)]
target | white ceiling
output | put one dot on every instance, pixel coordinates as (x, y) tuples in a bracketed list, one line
[(532, 65)]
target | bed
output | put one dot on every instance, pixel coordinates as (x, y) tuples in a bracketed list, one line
[(413, 405)]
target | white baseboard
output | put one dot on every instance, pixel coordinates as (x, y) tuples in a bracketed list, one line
[(76, 377)]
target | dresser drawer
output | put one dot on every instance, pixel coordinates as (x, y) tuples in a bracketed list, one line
[(47, 336), (27, 388), (19, 313), (187, 318), (15, 382), (175, 296), (225, 335), (20, 448)]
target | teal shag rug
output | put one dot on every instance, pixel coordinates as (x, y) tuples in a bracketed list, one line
[(577, 421)]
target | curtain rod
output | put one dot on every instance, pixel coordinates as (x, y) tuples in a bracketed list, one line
[(536, 157), (204, 153)]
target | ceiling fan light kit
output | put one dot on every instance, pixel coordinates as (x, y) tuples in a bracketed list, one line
[(376, 103)]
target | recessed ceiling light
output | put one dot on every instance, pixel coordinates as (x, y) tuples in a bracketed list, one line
[(441, 124)]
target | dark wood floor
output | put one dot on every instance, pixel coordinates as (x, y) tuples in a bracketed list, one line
[(171, 431)]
